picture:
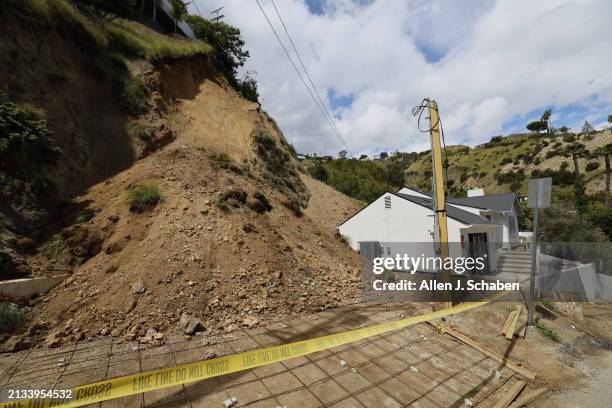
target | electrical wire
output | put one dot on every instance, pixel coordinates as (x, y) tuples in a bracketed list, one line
[(329, 115), (195, 4), (314, 99)]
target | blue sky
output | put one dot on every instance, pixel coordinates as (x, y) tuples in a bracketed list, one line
[(491, 66)]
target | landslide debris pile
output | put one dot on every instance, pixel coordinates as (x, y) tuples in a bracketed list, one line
[(221, 250)]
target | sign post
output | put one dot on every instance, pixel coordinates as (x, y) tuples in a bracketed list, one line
[(539, 197)]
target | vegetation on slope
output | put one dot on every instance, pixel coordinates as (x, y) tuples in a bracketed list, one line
[(229, 48), (94, 23), (278, 170), (507, 163), (363, 180), (28, 153)]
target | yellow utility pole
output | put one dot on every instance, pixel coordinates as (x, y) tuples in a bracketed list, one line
[(439, 201)]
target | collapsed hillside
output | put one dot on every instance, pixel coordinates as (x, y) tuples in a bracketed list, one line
[(210, 223)]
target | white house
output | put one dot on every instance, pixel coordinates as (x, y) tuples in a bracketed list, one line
[(479, 224)]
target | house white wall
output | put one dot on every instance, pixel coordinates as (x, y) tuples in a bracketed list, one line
[(405, 221)]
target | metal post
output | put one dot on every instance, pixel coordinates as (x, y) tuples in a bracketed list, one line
[(534, 255)]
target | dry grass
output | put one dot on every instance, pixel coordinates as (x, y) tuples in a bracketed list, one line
[(61, 14), (137, 40), (127, 37)]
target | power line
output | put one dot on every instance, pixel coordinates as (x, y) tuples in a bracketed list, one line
[(322, 109), (195, 4), (331, 118)]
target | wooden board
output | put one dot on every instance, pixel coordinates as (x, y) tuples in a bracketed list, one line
[(512, 328), (527, 398), (530, 375), (507, 399), (508, 322)]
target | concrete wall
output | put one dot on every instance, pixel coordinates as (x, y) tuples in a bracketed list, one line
[(17, 288)]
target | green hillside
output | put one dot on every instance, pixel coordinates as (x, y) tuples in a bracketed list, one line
[(503, 164), (507, 163)]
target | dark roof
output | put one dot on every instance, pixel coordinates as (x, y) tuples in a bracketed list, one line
[(455, 213), (497, 202)]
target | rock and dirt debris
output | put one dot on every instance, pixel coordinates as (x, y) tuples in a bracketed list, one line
[(221, 247)]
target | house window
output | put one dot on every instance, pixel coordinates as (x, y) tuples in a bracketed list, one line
[(388, 202)]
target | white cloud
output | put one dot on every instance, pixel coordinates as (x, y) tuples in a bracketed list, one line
[(484, 62)]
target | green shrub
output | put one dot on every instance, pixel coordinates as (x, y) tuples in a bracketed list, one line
[(592, 166), (319, 172), (247, 87), (144, 196), (85, 216), (547, 332), (26, 145), (54, 248), (11, 316), (231, 200), (223, 157), (132, 95), (549, 305), (511, 177), (569, 138), (141, 131), (226, 40), (294, 206), (505, 160)]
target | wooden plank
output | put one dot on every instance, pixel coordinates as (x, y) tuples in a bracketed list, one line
[(507, 323), (527, 398), (513, 323), (507, 399), (530, 375)]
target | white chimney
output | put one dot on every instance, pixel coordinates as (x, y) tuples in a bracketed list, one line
[(475, 192)]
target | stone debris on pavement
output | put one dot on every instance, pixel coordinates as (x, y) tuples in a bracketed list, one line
[(230, 402), (414, 369)]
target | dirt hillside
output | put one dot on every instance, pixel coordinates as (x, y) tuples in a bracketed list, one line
[(241, 235)]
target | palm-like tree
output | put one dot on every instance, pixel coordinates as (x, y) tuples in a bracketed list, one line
[(546, 118), (576, 150), (605, 152)]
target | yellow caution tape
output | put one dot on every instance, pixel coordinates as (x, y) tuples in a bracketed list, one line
[(200, 370)]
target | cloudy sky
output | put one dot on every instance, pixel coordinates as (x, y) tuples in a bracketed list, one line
[(492, 66)]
